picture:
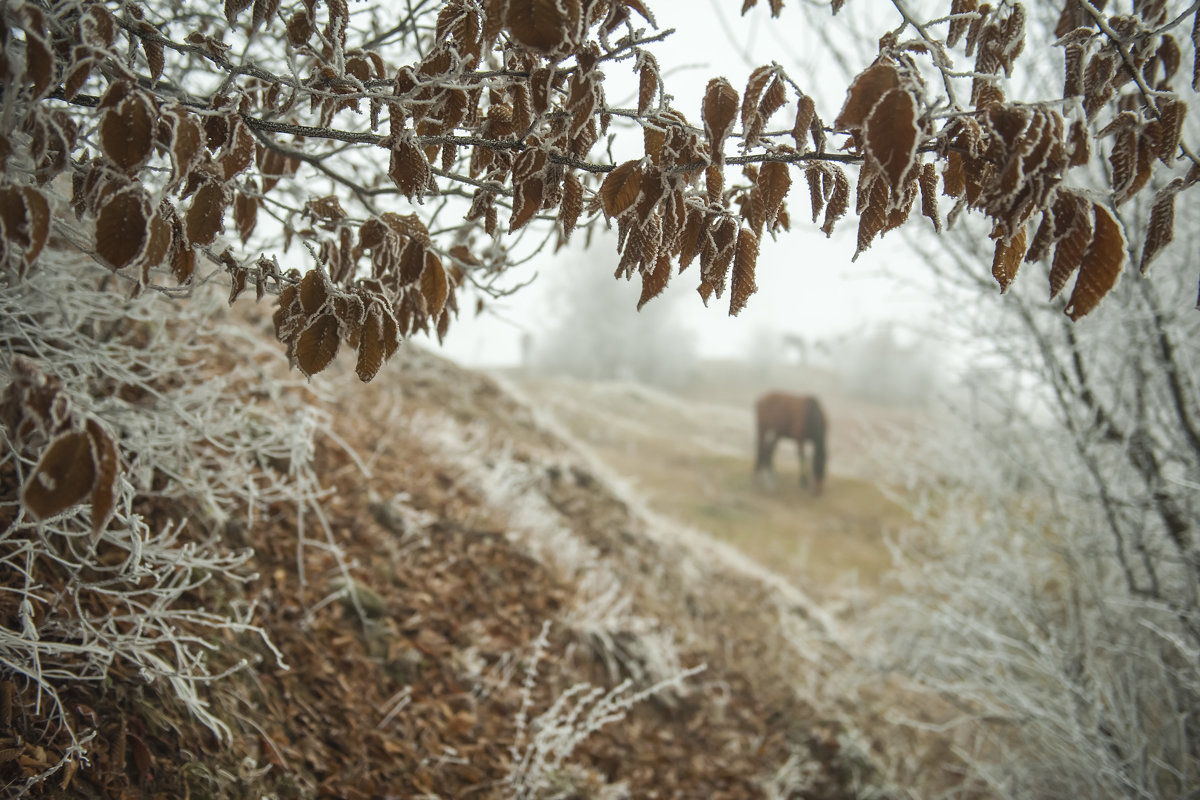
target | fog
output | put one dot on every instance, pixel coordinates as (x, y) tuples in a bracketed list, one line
[(811, 297)]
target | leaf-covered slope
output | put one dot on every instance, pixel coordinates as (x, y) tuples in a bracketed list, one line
[(467, 530)]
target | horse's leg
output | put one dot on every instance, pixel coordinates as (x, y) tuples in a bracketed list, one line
[(765, 455), (803, 463)]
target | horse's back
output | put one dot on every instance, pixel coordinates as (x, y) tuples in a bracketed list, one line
[(788, 414)]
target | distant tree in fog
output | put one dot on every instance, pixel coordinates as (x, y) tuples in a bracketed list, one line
[(594, 332), (765, 347), (878, 365)]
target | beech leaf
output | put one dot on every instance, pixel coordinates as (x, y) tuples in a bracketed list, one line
[(891, 135), (317, 344), (742, 284), (64, 476), (1101, 265), (121, 227)]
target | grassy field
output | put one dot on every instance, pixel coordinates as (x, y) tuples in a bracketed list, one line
[(691, 456)]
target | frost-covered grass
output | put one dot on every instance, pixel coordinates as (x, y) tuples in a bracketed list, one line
[(630, 645), (204, 439), (543, 744), (1020, 644)]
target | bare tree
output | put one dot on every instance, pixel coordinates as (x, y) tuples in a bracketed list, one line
[(1048, 596)]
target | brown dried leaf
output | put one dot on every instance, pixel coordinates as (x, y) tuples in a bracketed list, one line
[(434, 285), (773, 184), (654, 282), (1171, 113), (155, 58), (689, 241), (1042, 239), (104, 456), (412, 263), (14, 218), (264, 12), (1007, 259), (206, 215), (409, 169), (805, 114), (816, 178), (299, 28), (1168, 53), (158, 245), (26, 216), (1123, 159), (317, 344), (187, 142), (64, 476), (873, 218), (1161, 229), (1101, 265), (743, 284), (97, 28), (718, 114), (544, 26), (621, 188), (959, 22), (121, 227), (752, 119), (868, 87), (773, 100), (891, 135), (313, 292), (245, 214), (233, 8), (718, 256), (79, 72), (127, 132), (327, 207), (648, 81), (527, 201), (1098, 81), (409, 225), (239, 149), (1196, 52), (1073, 232), (839, 201), (1080, 145), (39, 58), (370, 345), (1073, 52), (572, 204), (928, 180), (380, 339), (183, 257)]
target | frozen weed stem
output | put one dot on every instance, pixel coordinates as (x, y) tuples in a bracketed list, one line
[(543, 744), (198, 445)]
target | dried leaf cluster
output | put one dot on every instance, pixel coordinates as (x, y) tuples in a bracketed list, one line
[(183, 133)]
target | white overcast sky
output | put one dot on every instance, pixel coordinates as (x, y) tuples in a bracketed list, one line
[(807, 285)]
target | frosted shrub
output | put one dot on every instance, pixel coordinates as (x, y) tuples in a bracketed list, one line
[(100, 568), (1013, 613)]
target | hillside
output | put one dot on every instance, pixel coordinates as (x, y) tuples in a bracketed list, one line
[(441, 617), (690, 454)]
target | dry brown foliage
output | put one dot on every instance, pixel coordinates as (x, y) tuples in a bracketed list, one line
[(181, 134)]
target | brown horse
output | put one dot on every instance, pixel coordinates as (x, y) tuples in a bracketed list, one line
[(797, 417)]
